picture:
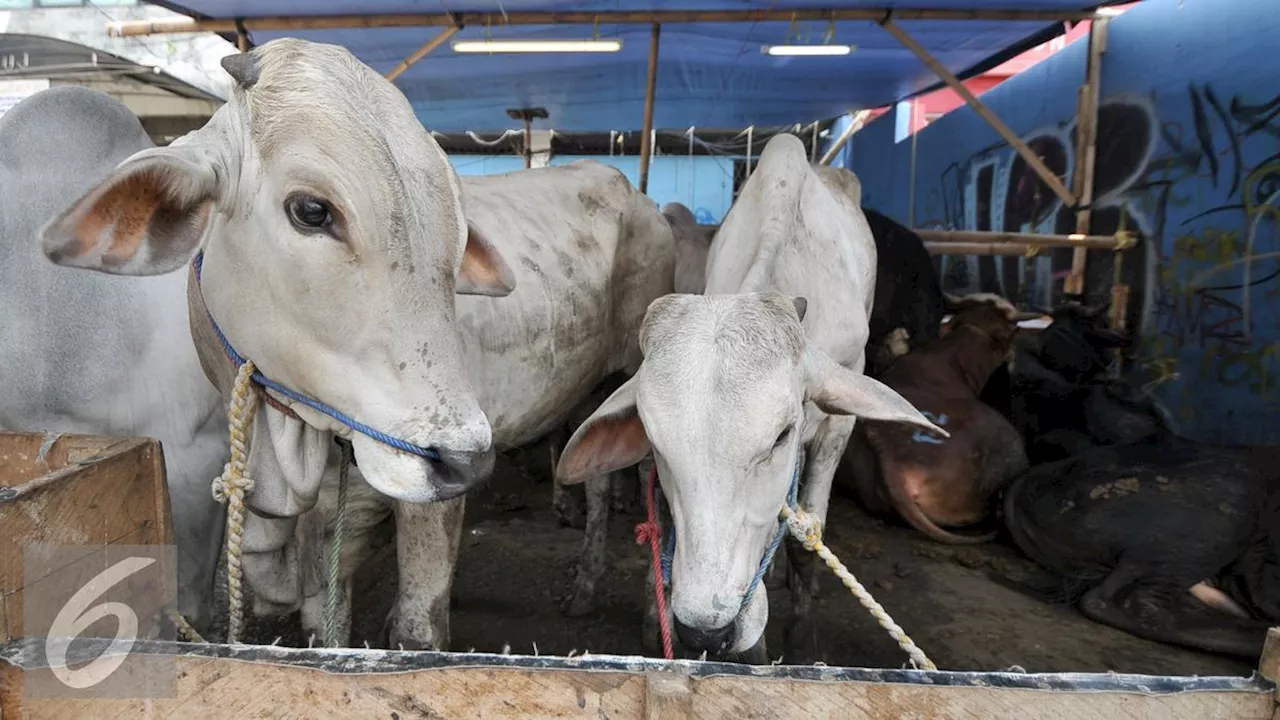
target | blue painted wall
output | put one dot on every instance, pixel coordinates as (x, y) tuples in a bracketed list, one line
[(1188, 157), (704, 184)]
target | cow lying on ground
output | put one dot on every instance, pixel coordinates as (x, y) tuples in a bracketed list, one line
[(909, 302), (1060, 397), (588, 253), (332, 238), (1164, 538), (733, 385), (938, 484)]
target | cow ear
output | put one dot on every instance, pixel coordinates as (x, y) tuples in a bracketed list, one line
[(147, 217), (840, 391), (802, 305), (483, 270), (611, 439)]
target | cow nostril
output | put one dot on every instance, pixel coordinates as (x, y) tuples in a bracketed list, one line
[(715, 641), (462, 471)]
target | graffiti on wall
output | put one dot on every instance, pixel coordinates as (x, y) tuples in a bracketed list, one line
[(1201, 191)]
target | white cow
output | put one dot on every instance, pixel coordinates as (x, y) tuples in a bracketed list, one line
[(89, 353), (693, 242), (589, 253), (333, 238), (733, 383)]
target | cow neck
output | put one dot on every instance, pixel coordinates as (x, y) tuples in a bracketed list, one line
[(974, 363), (263, 383)]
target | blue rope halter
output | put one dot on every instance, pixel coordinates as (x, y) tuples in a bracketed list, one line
[(793, 493), (264, 381)]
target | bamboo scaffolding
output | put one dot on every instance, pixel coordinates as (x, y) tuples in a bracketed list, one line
[(1119, 241), (1028, 155), (651, 86), (131, 28), (427, 48)]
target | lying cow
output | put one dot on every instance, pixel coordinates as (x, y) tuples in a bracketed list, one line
[(938, 484), (330, 235), (1165, 538), (1060, 397), (909, 302), (733, 385), (588, 252)]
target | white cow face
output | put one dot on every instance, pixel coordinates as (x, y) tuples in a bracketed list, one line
[(720, 400), (334, 239)]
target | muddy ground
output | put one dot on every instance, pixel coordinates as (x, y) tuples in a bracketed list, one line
[(516, 560)]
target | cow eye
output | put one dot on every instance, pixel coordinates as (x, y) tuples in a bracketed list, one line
[(782, 437), (308, 213)]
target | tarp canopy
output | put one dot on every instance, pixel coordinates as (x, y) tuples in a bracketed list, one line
[(710, 75)]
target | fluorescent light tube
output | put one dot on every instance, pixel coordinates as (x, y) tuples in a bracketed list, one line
[(806, 50), (537, 46)]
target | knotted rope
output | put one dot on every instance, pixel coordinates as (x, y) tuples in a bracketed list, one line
[(649, 532), (332, 591), (230, 488), (808, 531)]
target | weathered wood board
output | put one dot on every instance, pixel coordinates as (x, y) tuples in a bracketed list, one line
[(272, 682), (74, 490)]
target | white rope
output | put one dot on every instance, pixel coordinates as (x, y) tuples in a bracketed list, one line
[(808, 530), (231, 487), (335, 553)]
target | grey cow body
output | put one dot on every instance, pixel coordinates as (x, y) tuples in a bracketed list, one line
[(89, 353)]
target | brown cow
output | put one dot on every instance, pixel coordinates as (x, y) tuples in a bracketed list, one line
[(931, 482)]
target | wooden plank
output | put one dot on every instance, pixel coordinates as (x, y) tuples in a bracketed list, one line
[(650, 89), (607, 17), (221, 681), (1087, 150), (427, 48), (1028, 155), (1087, 242), (84, 490)]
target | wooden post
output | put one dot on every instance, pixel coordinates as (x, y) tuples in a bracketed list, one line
[(1028, 156), (857, 121), (528, 142), (646, 140), (1086, 149), (242, 37), (427, 48)]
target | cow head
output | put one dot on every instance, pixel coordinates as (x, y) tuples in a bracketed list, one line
[(1077, 344), (720, 399), (334, 238)]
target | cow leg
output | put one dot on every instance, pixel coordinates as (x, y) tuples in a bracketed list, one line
[(594, 555), (1169, 614), (198, 520), (313, 614), (822, 456), (427, 538)]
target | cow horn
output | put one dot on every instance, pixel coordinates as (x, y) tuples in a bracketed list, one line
[(243, 68)]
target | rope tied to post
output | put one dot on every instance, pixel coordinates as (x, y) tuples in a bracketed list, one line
[(230, 489)]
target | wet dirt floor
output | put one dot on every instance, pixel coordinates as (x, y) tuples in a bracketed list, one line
[(515, 563)]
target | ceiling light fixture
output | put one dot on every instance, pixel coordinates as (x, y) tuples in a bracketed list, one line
[(806, 50), (537, 46)]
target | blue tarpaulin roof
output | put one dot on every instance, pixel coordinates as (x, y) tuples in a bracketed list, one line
[(711, 75)]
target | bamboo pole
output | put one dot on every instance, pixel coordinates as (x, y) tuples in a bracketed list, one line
[(131, 28), (1119, 241), (959, 248), (858, 120), (651, 86), (1028, 156), (1087, 149), (427, 48)]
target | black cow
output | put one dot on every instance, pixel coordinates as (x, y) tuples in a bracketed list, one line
[(1060, 397), (908, 293), (1165, 538)]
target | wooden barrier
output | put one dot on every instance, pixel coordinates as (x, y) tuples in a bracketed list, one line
[(75, 490), (266, 682)]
